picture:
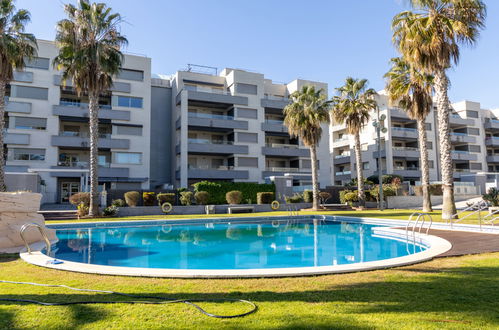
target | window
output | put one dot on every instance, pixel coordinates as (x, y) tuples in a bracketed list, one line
[(133, 158), (247, 137), (23, 76), (429, 145), (217, 139), (127, 101), (128, 74), (473, 131), (38, 63), (246, 89), (474, 148), (365, 165), (431, 164), (29, 123), (29, 92), (428, 126), (128, 130), (475, 166), (364, 147), (247, 113), (29, 154), (471, 114), (247, 162), (217, 163)]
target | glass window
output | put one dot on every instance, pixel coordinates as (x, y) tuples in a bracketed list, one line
[(128, 74), (127, 158), (29, 154), (38, 63), (29, 123), (129, 130), (129, 102), (29, 92)]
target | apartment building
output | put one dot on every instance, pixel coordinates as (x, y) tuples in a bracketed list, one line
[(47, 127), (473, 137), (229, 126)]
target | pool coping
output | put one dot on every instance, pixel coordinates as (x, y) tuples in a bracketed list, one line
[(436, 245)]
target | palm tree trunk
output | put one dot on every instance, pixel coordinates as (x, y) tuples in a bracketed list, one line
[(425, 168), (3, 186), (442, 101), (360, 178), (94, 152), (315, 177)]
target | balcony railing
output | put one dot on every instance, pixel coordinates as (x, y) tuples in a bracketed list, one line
[(274, 121), (209, 116), (460, 152), (207, 90), (405, 148), (82, 104), (282, 169), (206, 141), (81, 164), (282, 145), (276, 98), (85, 135), (494, 138), (458, 134), (342, 156), (207, 167), (341, 140), (404, 129), (404, 168), (344, 173), (461, 170)]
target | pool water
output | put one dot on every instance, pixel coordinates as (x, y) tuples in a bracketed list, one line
[(229, 245)]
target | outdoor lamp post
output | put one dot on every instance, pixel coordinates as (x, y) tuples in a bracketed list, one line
[(380, 128)]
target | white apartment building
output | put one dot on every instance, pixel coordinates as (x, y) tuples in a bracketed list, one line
[(473, 138), (47, 127)]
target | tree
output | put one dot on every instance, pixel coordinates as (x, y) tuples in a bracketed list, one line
[(304, 118), (15, 47), (351, 107), (412, 90), (89, 44), (429, 38)]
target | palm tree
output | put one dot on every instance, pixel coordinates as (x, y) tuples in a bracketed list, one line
[(429, 38), (303, 117), (89, 43), (352, 107), (15, 47), (412, 90)]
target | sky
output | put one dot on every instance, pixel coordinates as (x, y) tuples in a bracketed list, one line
[(326, 40)]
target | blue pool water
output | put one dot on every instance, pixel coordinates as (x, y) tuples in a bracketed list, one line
[(224, 245)]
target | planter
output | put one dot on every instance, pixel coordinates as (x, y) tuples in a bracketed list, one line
[(17, 209)]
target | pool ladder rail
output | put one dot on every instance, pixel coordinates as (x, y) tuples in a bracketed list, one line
[(420, 216), (292, 210), (42, 231), (477, 207)]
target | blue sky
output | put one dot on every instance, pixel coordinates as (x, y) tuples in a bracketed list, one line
[(284, 39)]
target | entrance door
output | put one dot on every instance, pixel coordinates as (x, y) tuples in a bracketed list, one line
[(68, 189)]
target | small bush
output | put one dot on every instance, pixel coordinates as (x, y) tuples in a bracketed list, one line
[(324, 196), (132, 198), (118, 203), (166, 198), (80, 198), (388, 190), (149, 197), (82, 210), (265, 197), (351, 197), (342, 195), (296, 198), (492, 196), (110, 211), (201, 197), (234, 197), (308, 196), (218, 190), (435, 190), (186, 198)]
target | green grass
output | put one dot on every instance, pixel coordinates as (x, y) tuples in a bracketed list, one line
[(446, 293), (387, 214)]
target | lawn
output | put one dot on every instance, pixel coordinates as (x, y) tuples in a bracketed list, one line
[(453, 293), (387, 214)]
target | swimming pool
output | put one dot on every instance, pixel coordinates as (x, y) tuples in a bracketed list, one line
[(245, 246)]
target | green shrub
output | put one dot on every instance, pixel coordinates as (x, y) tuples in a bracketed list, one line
[(342, 195), (82, 210), (186, 198), (388, 190), (296, 198), (149, 198), (110, 211), (351, 197), (387, 178), (265, 197), (80, 198), (201, 197), (308, 196), (492, 196), (435, 190), (324, 196), (118, 203), (166, 198), (218, 190), (234, 197), (132, 198)]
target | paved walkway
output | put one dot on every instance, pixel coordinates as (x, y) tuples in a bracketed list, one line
[(462, 204)]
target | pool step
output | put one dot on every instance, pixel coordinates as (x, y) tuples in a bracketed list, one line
[(59, 214)]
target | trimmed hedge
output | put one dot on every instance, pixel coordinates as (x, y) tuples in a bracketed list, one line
[(234, 197), (186, 198), (296, 198), (80, 198), (201, 197), (308, 196), (265, 197), (166, 197), (435, 190), (148, 197), (132, 198), (218, 190)]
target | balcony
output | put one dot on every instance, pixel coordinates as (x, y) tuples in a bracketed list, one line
[(405, 152), (492, 141), (460, 172), (272, 125), (491, 124), (410, 172), (105, 170), (200, 119), (399, 113), (462, 138), (404, 133), (82, 140), (221, 172), (343, 175), (493, 159), (341, 142), (76, 109), (274, 102), (201, 146), (21, 107), (16, 138), (341, 159), (211, 95), (456, 120), (284, 150), (463, 155), (304, 173)]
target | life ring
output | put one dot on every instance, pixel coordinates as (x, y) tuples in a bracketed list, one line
[(166, 207), (166, 228), (275, 205), (276, 224)]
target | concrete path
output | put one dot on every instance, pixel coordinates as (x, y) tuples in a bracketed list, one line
[(462, 204)]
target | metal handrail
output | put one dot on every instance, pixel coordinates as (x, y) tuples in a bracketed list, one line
[(42, 232), (421, 216), (481, 205)]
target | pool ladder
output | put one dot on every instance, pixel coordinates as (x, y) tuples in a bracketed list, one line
[(42, 231), (419, 216), (292, 210)]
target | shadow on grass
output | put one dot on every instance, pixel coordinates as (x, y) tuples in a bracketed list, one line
[(471, 292), (7, 257), (7, 319)]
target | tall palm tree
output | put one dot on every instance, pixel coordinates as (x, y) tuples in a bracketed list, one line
[(303, 117), (412, 90), (352, 107), (429, 38), (15, 47), (89, 43)]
